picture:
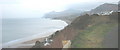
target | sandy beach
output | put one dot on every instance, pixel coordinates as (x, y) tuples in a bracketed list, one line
[(30, 43)]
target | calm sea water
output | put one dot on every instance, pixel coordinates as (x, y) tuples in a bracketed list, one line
[(13, 29)]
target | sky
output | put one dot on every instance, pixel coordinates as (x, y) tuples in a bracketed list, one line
[(37, 8)]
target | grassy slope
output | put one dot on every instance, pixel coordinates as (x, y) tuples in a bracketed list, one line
[(92, 36)]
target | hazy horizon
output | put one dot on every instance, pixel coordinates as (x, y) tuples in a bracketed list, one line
[(37, 8)]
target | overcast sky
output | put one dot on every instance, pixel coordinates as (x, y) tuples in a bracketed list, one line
[(36, 8)]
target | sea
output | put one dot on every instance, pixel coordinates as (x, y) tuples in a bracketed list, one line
[(14, 29)]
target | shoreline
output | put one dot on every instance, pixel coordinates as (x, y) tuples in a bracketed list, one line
[(28, 42)]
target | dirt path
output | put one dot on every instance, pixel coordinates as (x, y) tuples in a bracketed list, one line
[(111, 38)]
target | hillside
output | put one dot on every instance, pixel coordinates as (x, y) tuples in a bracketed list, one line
[(66, 15), (95, 32), (85, 30), (106, 7)]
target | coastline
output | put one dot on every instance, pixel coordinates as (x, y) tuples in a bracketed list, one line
[(28, 42), (20, 43)]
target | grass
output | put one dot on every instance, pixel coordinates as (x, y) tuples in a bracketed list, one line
[(91, 37)]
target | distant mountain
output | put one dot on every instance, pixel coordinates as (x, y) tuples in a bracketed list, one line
[(106, 7), (119, 2), (67, 15), (70, 14), (54, 14), (119, 6)]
